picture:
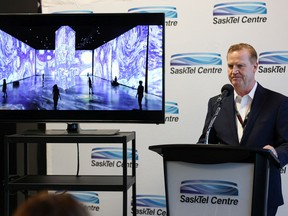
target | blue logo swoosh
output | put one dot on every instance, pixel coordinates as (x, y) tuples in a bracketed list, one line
[(171, 107), (275, 57), (169, 11), (209, 187), (111, 153), (239, 8), (155, 201)]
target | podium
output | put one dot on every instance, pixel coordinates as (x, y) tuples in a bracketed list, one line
[(218, 180)]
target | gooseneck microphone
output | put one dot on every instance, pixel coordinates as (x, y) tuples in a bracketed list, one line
[(226, 91)]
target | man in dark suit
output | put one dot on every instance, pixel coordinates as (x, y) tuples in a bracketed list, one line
[(251, 116)]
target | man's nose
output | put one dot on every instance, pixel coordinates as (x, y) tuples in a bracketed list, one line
[(235, 69)]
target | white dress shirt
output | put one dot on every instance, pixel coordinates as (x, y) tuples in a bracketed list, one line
[(243, 105)]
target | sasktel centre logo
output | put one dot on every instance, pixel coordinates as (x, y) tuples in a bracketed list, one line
[(169, 11), (215, 192), (89, 199), (196, 63), (151, 205), (239, 12), (273, 62), (171, 111), (110, 157)]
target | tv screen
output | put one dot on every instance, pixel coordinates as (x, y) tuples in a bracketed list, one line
[(82, 67)]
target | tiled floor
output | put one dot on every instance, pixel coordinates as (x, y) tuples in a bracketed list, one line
[(34, 93)]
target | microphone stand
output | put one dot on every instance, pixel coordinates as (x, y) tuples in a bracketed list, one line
[(226, 91), (211, 124)]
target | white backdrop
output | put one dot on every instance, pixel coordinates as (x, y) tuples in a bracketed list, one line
[(191, 27)]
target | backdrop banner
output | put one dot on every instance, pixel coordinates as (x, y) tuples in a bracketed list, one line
[(198, 30)]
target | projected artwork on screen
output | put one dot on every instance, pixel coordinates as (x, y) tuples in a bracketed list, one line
[(17, 60), (66, 77), (130, 58)]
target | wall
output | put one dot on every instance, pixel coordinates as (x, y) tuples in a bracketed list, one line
[(192, 27)]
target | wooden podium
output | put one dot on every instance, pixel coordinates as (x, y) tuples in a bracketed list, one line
[(215, 179)]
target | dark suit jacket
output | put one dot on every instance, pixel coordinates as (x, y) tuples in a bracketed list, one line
[(267, 125)]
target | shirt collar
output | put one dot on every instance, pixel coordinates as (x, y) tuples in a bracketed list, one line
[(251, 93)]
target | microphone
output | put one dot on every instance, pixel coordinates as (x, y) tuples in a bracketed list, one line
[(226, 91)]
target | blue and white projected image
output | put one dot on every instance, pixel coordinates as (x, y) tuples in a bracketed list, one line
[(124, 73), (17, 62)]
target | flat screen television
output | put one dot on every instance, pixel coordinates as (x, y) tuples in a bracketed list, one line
[(82, 67)]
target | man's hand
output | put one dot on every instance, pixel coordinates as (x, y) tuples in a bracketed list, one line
[(272, 149)]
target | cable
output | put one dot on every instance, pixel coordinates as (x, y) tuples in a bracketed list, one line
[(78, 161)]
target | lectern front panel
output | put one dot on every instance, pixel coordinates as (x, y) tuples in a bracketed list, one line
[(209, 189)]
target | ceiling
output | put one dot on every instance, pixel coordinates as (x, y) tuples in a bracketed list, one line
[(42, 36)]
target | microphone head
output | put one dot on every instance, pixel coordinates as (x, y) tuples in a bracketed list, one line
[(228, 88)]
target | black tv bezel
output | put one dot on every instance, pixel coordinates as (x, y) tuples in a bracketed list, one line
[(88, 116)]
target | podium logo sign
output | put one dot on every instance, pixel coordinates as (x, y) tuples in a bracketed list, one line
[(209, 189), (215, 192)]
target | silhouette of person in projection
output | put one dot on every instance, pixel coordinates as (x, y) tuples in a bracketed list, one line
[(4, 88), (90, 86), (56, 96), (115, 82), (140, 93)]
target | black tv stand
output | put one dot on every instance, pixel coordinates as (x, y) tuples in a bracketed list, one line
[(86, 132), (27, 181), (79, 132)]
